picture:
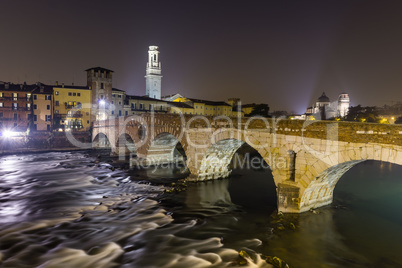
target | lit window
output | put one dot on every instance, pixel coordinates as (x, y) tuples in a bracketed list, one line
[(56, 93)]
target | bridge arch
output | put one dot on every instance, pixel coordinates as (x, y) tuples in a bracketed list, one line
[(125, 145), (101, 140), (165, 148), (327, 172), (217, 162)]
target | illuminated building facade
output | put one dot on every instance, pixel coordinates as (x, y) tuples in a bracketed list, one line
[(15, 106), (325, 109), (42, 108), (99, 80), (72, 107)]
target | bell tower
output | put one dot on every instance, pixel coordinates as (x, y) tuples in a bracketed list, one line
[(153, 77)]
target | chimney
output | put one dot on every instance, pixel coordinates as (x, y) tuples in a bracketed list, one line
[(57, 83), (62, 85), (7, 85)]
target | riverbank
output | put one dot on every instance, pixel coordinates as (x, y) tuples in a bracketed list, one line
[(42, 142)]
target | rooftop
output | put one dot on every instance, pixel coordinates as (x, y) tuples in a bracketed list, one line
[(98, 69)]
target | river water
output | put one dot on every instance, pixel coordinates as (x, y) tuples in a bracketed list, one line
[(73, 209)]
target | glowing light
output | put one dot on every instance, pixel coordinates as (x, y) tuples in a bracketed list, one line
[(393, 118), (8, 133), (102, 102)]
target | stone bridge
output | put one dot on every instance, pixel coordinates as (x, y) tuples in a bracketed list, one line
[(307, 158)]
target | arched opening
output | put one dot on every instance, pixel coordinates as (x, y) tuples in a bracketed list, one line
[(101, 141), (166, 148), (366, 202), (125, 146), (320, 191), (251, 182)]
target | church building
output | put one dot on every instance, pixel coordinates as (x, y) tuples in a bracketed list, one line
[(325, 109)]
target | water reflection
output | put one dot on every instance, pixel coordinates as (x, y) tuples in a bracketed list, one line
[(68, 209)]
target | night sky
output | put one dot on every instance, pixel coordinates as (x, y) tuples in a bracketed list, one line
[(284, 53)]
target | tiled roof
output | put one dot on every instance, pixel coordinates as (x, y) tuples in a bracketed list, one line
[(70, 87), (180, 104), (212, 103)]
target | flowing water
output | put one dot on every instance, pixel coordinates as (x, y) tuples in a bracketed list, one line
[(73, 209)]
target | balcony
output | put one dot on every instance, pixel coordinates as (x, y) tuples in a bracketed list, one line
[(75, 115)]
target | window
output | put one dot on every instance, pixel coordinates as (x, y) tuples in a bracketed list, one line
[(102, 97), (48, 97), (126, 113), (15, 96), (70, 94), (35, 96), (48, 107), (57, 103), (35, 106), (119, 96), (28, 96), (102, 86), (48, 118), (133, 106), (15, 116), (113, 95), (1, 104), (28, 106), (74, 94), (119, 112), (87, 121), (15, 106), (56, 93), (112, 112), (141, 106), (1, 94), (79, 94)]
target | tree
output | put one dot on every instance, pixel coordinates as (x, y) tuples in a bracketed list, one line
[(260, 110), (362, 114), (398, 120)]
